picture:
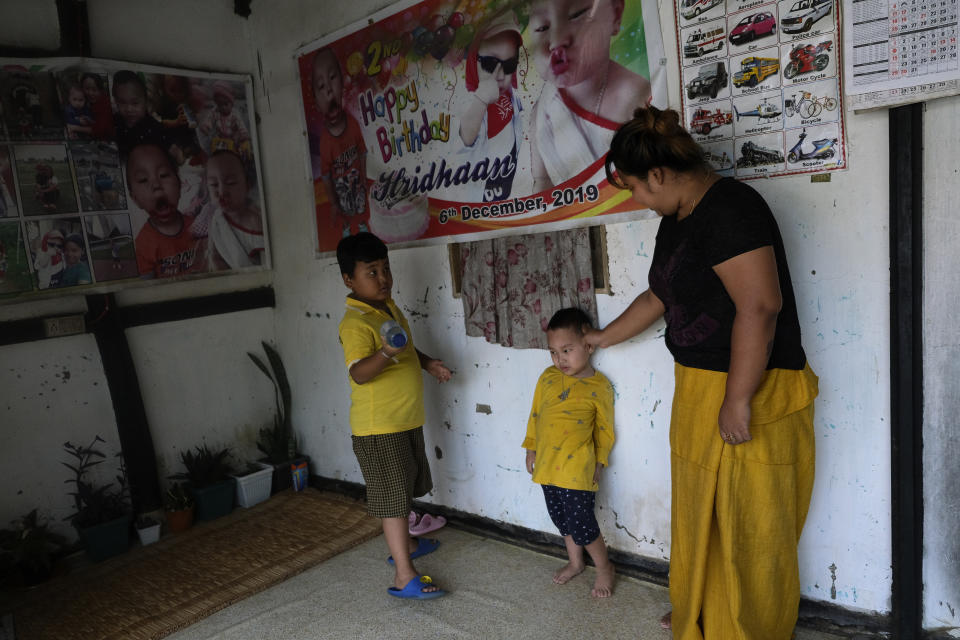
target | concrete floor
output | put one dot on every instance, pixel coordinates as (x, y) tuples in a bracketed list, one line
[(497, 590)]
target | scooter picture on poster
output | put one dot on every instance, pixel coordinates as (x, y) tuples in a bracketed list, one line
[(813, 146)]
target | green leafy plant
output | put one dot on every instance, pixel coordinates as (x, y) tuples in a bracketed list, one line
[(94, 504), (205, 467), (278, 443), (177, 498), (143, 522), (30, 548)]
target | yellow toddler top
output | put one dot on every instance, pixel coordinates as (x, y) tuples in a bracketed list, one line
[(393, 401), (570, 428)]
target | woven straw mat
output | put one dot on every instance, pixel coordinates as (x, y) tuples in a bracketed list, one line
[(152, 591)]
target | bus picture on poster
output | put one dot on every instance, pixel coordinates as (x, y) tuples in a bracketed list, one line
[(449, 118)]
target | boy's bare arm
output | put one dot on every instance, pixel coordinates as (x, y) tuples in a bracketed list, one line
[(434, 367), (368, 368)]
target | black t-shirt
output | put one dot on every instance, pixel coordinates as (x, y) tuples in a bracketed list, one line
[(730, 219)]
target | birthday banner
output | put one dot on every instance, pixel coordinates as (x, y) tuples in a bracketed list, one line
[(474, 118), (113, 173)]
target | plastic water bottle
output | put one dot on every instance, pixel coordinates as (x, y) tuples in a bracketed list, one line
[(393, 334)]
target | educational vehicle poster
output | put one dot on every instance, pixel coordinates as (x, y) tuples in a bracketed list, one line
[(447, 118), (761, 84), (112, 173)]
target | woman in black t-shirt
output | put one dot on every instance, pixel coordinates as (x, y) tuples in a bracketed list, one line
[(741, 429)]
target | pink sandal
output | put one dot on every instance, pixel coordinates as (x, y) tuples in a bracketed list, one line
[(424, 524)]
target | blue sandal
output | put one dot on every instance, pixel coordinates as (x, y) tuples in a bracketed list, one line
[(414, 590), (424, 546)]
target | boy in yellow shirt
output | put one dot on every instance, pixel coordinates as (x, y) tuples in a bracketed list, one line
[(386, 411), (569, 437)]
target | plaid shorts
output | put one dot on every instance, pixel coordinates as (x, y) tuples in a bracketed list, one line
[(395, 470)]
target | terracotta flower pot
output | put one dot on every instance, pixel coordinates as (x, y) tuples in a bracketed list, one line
[(179, 520)]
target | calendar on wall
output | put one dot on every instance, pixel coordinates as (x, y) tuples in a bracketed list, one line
[(762, 85), (900, 51)]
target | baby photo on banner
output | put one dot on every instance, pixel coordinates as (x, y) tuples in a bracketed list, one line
[(471, 117), (112, 171)]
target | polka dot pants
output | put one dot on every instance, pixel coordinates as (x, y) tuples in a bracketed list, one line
[(572, 512)]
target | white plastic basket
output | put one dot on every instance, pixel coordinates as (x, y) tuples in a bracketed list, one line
[(254, 488)]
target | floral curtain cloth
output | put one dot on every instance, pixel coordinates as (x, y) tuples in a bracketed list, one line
[(512, 286)]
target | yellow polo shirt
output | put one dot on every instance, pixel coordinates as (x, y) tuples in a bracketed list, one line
[(570, 428), (393, 401)]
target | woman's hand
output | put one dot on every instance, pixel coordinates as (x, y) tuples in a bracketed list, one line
[(593, 337), (531, 458), (734, 422)]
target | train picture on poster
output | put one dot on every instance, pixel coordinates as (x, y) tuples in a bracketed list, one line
[(760, 155)]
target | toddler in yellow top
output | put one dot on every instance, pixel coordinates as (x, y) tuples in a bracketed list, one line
[(386, 412), (569, 437)]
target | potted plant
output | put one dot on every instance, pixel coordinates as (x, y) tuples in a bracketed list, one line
[(278, 443), (253, 483), (148, 529), (208, 474), (179, 507), (102, 516), (29, 549)]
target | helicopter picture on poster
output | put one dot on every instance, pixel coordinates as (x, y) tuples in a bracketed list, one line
[(813, 146), (757, 114)]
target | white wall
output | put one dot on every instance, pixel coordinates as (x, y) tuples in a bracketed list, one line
[(941, 367), (197, 382), (836, 237)]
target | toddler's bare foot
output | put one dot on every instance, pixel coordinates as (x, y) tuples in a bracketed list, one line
[(603, 585), (569, 571), (666, 622)]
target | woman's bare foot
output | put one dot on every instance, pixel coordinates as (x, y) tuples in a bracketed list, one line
[(666, 622), (568, 571), (603, 585)]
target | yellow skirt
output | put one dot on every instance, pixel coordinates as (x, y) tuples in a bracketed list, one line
[(737, 511)]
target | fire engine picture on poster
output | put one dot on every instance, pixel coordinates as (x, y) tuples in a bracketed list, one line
[(474, 118)]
